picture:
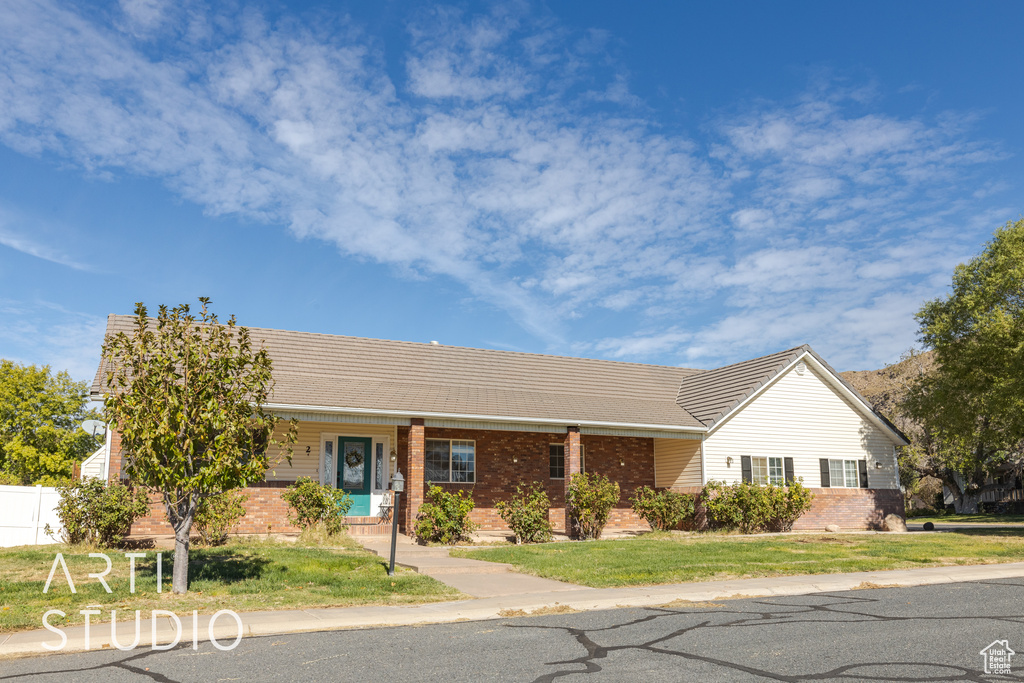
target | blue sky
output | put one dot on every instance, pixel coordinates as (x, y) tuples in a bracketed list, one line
[(678, 183)]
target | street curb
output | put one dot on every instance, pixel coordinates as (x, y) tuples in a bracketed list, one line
[(29, 643)]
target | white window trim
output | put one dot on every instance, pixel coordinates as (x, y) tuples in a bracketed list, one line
[(832, 484), (768, 470), (449, 480), (583, 460)]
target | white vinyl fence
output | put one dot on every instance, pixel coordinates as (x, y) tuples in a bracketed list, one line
[(24, 513)]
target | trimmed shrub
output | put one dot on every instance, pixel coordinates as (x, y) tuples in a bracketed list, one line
[(663, 510), (527, 513), (316, 504), (752, 508), (96, 513), (445, 518), (590, 498), (217, 515)]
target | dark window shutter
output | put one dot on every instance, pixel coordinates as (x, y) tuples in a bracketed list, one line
[(747, 474), (787, 463), (863, 467), (826, 481)]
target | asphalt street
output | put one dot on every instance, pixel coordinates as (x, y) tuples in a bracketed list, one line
[(927, 633)]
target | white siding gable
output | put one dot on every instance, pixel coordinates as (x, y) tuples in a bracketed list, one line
[(803, 417)]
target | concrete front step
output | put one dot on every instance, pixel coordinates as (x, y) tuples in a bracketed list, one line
[(370, 529)]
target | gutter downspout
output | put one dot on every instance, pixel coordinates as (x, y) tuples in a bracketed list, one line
[(106, 457)]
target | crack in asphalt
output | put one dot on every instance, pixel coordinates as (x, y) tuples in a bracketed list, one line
[(119, 664), (838, 609), (589, 637)]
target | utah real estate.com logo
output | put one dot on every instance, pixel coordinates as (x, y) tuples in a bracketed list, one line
[(997, 657)]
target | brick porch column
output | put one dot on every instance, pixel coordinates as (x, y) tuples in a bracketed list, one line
[(572, 466), (414, 474)]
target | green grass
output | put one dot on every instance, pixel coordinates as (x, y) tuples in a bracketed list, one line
[(241, 576), (666, 558), (977, 518)]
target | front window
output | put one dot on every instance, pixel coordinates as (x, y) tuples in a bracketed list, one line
[(843, 473), (766, 471), (450, 460), (556, 460)]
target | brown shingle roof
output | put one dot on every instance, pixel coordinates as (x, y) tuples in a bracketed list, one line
[(373, 374), (332, 371)]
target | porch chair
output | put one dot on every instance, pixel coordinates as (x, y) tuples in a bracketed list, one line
[(387, 504)]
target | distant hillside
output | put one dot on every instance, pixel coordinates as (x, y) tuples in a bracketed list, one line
[(884, 388)]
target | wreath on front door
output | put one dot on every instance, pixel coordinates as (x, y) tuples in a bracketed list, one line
[(353, 458)]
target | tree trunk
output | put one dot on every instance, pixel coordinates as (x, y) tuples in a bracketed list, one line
[(181, 515), (967, 504), (181, 545)]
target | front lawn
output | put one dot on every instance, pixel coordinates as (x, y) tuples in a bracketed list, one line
[(241, 576), (977, 518), (667, 558)]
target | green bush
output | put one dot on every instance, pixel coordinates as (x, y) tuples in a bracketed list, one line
[(445, 518), (316, 504), (590, 499), (527, 513), (663, 510), (752, 508), (96, 513), (217, 515)]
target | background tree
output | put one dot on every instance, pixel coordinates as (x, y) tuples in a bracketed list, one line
[(186, 395), (972, 404), (40, 416)]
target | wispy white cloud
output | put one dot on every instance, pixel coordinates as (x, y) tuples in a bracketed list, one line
[(65, 339), (514, 159), (15, 228)]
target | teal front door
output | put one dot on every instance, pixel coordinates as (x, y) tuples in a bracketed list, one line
[(354, 469)]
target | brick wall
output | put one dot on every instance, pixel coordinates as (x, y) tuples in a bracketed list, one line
[(265, 512), (504, 459), (851, 508), (846, 508)]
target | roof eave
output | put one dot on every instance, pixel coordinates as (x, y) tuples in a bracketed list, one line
[(295, 408)]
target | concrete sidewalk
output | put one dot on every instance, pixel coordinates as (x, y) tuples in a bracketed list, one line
[(476, 578), (30, 643)]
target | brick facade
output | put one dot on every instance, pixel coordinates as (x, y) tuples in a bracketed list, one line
[(505, 458), (265, 512), (846, 508), (851, 508)]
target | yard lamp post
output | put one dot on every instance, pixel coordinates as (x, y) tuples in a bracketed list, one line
[(397, 485)]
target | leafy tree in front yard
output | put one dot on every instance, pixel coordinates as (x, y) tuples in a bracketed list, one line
[(40, 416), (186, 394), (972, 404)]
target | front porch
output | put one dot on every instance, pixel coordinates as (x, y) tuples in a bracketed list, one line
[(362, 457), (486, 462)]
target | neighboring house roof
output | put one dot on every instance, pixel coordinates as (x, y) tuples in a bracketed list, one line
[(331, 372)]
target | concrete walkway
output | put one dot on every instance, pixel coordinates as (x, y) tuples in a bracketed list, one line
[(473, 577), (676, 596)]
